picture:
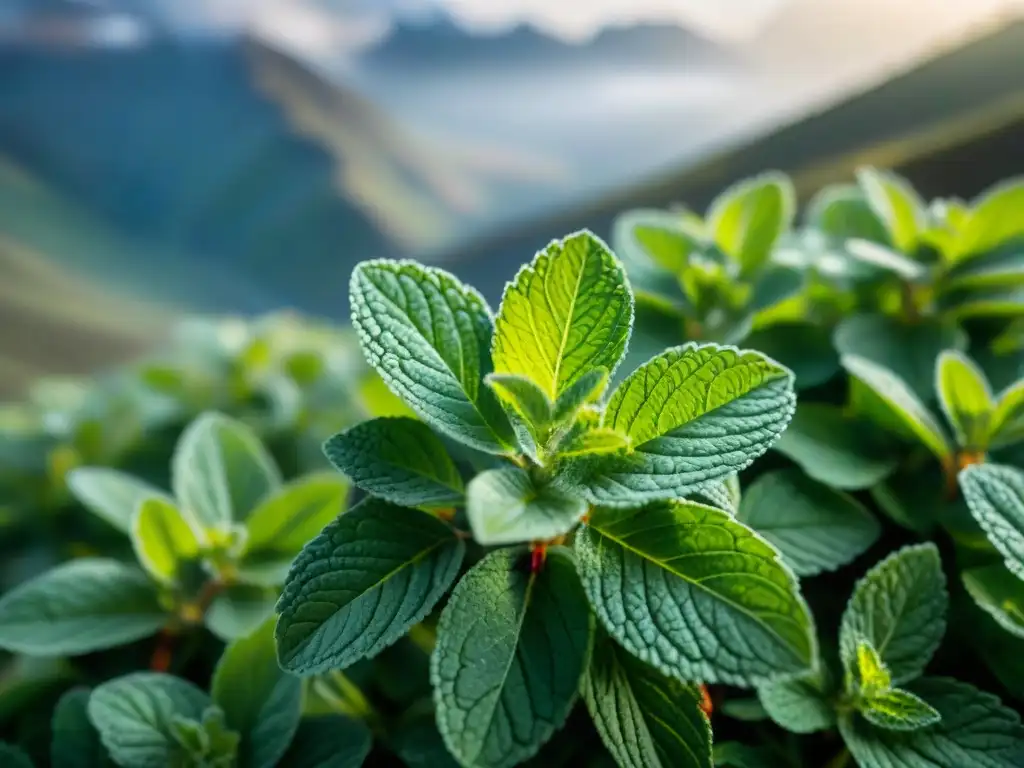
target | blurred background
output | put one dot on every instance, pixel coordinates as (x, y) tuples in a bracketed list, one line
[(160, 158)]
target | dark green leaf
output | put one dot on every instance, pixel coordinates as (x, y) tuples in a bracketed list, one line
[(76, 744), (12, 757), (999, 593), (804, 348), (898, 710), (896, 204), (329, 741)]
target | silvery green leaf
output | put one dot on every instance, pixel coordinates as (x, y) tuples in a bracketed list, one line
[(995, 496)]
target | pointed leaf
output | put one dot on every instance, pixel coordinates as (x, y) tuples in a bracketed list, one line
[(76, 744), (329, 741), (162, 539), (965, 397), (567, 312), (588, 388), (526, 400), (749, 217), (995, 496), (646, 720), (397, 459), (999, 593), (81, 606), (896, 203), (899, 607), (358, 586), (799, 705), (994, 219), (111, 494), (871, 675), (1008, 420), (899, 710), (688, 589), (504, 506), (511, 650)]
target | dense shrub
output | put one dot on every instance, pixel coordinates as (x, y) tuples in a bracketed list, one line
[(740, 476)]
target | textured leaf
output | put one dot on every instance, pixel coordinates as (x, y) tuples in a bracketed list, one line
[(1000, 593), (815, 527), (329, 741), (965, 397), (899, 710), (429, 337), (799, 705), (134, 716), (975, 730), (900, 608), (567, 312), (724, 494), (749, 217), (896, 203), (111, 494), (901, 403), (239, 610), (1008, 420), (162, 539), (995, 495), (397, 459), (358, 586), (526, 400), (688, 589), (504, 506), (75, 744), (733, 754), (260, 701), (221, 471), (692, 414), (993, 220), (589, 441), (511, 650), (646, 720), (804, 348), (81, 606)]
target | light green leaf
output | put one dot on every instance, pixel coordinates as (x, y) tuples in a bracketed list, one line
[(567, 312), (111, 494), (999, 593), (843, 452), (526, 400), (358, 586), (976, 730), (688, 589), (505, 506), (800, 705), (748, 218), (993, 220), (134, 715), (899, 607), (582, 440), (645, 719), (747, 710), (899, 710), (692, 415), (896, 203), (162, 539), (881, 257), (329, 741), (397, 459), (260, 701), (842, 211), (900, 404), (75, 744), (965, 397), (1002, 267), (1007, 424), (429, 337), (815, 527), (871, 675), (81, 606), (995, 496), (221, 471), (239, 610), (588, 388), (511, 650)]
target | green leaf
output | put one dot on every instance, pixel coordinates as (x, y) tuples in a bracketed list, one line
[(134, 715), (877, 257), (994, 219), (162, 539), (999, 593), (645, 719), (1007, 423), (12, 757), (997, 302), (511, 650), (329, 741), (526, 400), (692, 415), (111, 494), (75, 744), (995, 496), (899, 710), (505, 506), (583, 441), (747, 710), (416, 740), (78, 607), (871, 674), (965, 397), (896, 203), (567, 312), (239, 610), (358, 586), (429, 337), (895, 399), (1001, 267), (688, 589), (975, 730), (724, 494), (733, 754), (748, 218), (280, 527), (815, 527), (804, 348), (842, 211), (800, 705), (397, 459), (655, 246), (260, 701), (899, 607), (220, 471), (843, 452), (588, 388)]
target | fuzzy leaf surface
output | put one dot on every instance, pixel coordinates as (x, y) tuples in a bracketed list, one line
[(995, 496)]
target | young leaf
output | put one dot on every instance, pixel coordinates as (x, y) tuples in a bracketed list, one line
[(965, 397), (512, 646), (994, 219), (999, 593), (646, 720), (429, 337), (397, 459), (505, 506), (527, 400), (567, 312), (799, 705), (749, 217), (75, 744), (871, 674), (162, 539), (260, 701), (896, 203), (81, 606), (995, 496), (974, 730), (588, 388), (814, 527), (111, 494), (358, 586), (899, 607), (221, 471), (582, 440), (1007, 424), (134, 715), (688, 589), (692, 415), (898, 710), (239, 610), (328, 741)]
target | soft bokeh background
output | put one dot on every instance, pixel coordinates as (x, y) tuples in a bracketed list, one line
[(164, 157)]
